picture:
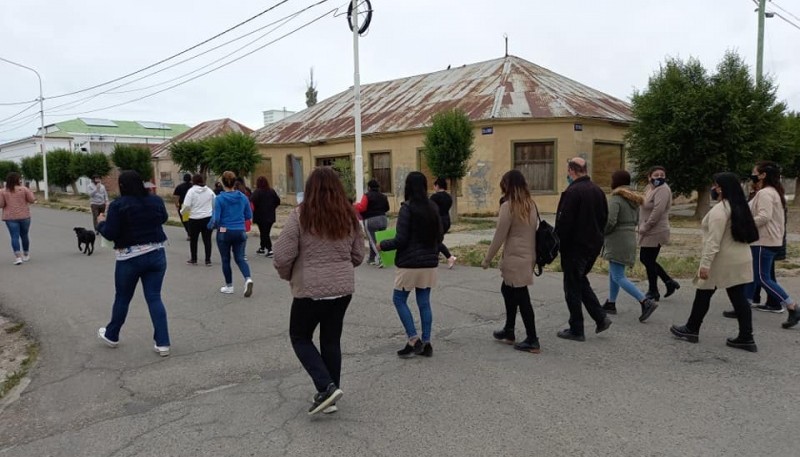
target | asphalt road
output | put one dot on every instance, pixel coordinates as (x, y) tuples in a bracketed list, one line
[(233, 387)]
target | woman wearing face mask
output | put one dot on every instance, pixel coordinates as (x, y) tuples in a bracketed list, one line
[(768, 207), (654, 231), (726, 262)]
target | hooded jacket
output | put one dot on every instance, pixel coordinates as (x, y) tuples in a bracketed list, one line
[(231, 209), (199, 202), (620, 230)]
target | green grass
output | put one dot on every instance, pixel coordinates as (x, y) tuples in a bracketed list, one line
[(15, 328), (14, 378), (466, 224)]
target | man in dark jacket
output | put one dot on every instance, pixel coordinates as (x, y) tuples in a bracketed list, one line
[(580, 221), (180, 192)]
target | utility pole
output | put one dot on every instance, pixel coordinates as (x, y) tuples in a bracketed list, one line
[(41, 117), (762, 6), (357, 104)]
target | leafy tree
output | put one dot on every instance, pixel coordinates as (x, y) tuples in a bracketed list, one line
[(311, 91), (233, 151), (91, 164), (790, 158), (60, 169), (132, 157), (448, 148), (6, 167), (696, 125), (191, 156), (32, 169), (348, 176)]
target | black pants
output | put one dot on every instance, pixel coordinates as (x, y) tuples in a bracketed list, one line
[(577, 290), (702, 300), (519, 297), (199, 227), (648, 256), (445, 228), (323, 365), (96, 211), (266, 241)]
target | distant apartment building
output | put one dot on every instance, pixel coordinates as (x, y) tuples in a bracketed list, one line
[(275, 115)]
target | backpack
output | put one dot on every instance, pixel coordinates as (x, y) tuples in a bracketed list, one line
[(547, 245)]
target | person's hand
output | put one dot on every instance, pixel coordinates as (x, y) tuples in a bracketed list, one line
[(703, 273), (378, 247), (485, 264), (101, 218)]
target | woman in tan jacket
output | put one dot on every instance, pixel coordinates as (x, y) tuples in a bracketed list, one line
[(726, 262), (317, 251), (768, 207), (654, 231), (516, 232)]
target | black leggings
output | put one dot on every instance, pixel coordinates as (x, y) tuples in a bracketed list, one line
[(648, 256), (198, 227), (266, 241), (702, 300), (445, 228), (519, 297)]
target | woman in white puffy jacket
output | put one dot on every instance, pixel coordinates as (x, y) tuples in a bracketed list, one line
[(198, 205)]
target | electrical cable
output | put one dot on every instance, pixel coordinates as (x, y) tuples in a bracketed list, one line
[(785, 10), (18, 113), (209, 71)]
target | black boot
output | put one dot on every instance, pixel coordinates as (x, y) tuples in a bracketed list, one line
[(528, 345), (746, 343), (654, 295), (648, 306), (672, 286), (409, 350), (793, 319), (683, 332), (610, 307), (505, 336)]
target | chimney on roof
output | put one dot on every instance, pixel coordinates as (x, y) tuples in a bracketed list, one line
[(505, 36)]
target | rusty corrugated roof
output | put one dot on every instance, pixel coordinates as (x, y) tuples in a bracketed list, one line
[(506, 88), (201, 131)]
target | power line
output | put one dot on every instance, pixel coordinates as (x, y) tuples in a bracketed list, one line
[(18, 113), (281, 22), (787, 21), (19, 123), (209, 71), (784, 10), (163, 60)]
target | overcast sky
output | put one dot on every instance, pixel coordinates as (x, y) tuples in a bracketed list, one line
[(611, 45)]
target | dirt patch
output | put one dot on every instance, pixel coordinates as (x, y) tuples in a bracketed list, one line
[(17, 353)]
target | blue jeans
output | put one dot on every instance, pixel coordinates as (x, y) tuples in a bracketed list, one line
[(18, 229), (763, 260), (150, 268), (232, 240), (617, 279), (400, 299)]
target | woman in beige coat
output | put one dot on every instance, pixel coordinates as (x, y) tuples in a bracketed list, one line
[(654, 231), (726, 262), (516, 232)]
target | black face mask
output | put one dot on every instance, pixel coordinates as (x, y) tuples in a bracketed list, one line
[(754, 178), (714, 194)]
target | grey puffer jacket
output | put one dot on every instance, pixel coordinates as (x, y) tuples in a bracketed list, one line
[(620, 231)]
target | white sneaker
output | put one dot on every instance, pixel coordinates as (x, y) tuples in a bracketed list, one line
[(226, 289), (163, 351), (248, 287), (18, 261), (26, 257), (329, 410), (101, 333), (451, 261)]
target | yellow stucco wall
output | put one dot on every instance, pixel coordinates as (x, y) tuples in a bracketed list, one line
[(493, 156)]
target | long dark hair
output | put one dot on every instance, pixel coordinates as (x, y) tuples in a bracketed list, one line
[(516, 193), (424, 214), (772, 178), (743, 227), (12, 181), (325, 211), (131, 184), (262, 183)]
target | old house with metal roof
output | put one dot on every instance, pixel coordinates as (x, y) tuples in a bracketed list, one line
[(167, 174), (525, 117)]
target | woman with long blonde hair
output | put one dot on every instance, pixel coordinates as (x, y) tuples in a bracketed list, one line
[(516, 231), (317, 251)]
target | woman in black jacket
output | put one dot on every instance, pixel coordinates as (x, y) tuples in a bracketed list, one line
[(265, 201), (419, 232), (444, 201), (373, 208)]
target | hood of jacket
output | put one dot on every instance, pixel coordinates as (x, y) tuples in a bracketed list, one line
[(629, 195)]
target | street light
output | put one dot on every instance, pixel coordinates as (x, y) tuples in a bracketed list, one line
[(41, 115)]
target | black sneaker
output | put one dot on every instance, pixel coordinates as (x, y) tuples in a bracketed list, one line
[(261, 251), (610, 307), (603, 326), (748, 344), (768, 308), (323, 400), (672, 286), (504, 336), (681, 331), (427, 350), (648, 306), (528, 345), (655, 296), (410, 351), (793, 319), (269, 253), (729, 314), (568, 335)]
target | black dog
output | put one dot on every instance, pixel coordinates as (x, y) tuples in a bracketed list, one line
[(86, 238)]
